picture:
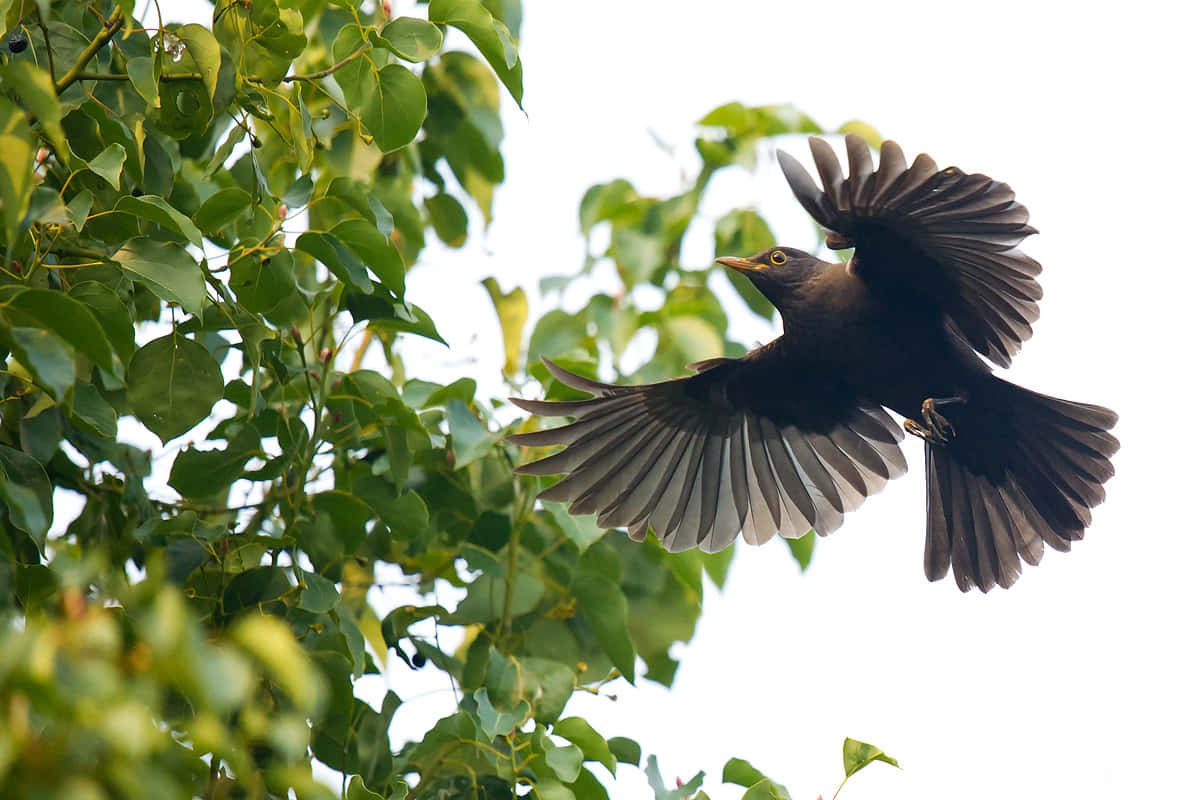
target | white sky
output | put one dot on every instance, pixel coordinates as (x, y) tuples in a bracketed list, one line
[(1082, 680)]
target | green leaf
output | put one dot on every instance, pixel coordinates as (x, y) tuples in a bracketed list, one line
[(301, 129), (766, 789), (365, 240), (694, 338), (204, 473), (802, 549), (173, 384), (591, 744), (205, 52), (16, 156), (167, 269), (625, 750), (319, 594), (79, 208), (741, 772), (607, 613), (45, 356), (498, 723), (357, 790), (329, 250), (112, 313), (26, 490), (393, 106), (486, 597), (143, 77), (580, 529), (270, 641), (490, 35), (603, 200), (565, 761), (157, 210), (864, 130), (90, 410), (411, 39), (68, 318), (108, 164), (661, 792), (36, 90), (856, 755), (470, 437), (448, 217), (512, 310), (221, 208), (558, 334)]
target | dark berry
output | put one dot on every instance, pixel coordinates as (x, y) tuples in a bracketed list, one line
[(17, 42), (418, 659)]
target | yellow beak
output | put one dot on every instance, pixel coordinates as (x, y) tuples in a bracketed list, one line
[(742, 264)]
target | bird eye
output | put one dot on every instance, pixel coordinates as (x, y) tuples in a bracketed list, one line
[(777, 258)]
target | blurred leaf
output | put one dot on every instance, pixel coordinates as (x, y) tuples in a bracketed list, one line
[(173, 384), (680, 792), (471, 437), (498, 723), (16, 154), (25, 489), (269, 640), (607, 612), (591, 744), (448, 217), (513, 310), (802, 549), (626, 750), (864, 130), (37, 93), (856, 755)]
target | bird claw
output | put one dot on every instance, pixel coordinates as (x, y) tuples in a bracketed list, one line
[(937, 429)]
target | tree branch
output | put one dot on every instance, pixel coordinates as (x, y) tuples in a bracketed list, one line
[(111, 26)]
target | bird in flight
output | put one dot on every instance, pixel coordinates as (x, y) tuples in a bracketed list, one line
[(794, 434)]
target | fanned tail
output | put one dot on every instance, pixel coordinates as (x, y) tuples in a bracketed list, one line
[(1023, 471)]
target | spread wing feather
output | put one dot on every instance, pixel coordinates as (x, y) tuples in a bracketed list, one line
[(948, 237), (700, 460)]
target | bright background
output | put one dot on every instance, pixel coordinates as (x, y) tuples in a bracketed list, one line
[(1081, 681)]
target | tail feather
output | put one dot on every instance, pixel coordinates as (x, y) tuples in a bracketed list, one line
[(1023, 471)]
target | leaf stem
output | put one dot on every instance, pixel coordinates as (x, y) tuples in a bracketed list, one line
[(315, 76), (107, 32)]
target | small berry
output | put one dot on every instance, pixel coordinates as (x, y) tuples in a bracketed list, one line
[(17, 42), (418, 659)]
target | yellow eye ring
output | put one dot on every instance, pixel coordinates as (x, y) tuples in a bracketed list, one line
[(778, 258)]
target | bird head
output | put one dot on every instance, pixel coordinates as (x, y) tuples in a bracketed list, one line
[(778, 272)]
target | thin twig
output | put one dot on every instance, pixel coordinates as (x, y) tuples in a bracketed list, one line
[(313, 76)]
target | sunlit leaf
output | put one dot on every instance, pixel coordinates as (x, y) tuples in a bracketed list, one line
[(856, 755)]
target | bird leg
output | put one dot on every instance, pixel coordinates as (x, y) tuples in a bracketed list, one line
[(937, 429)]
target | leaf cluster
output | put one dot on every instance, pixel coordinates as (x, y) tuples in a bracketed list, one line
[(207, 231)]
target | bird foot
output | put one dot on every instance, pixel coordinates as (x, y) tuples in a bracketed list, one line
[(936, 428)]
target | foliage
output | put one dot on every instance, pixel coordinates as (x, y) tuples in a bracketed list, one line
[(204, 230)]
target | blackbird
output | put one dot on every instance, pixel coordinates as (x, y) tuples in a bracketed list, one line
[(794, 434)]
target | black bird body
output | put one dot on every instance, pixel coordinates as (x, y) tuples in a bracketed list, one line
[(794, 434)]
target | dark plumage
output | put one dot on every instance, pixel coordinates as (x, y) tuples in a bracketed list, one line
[(794, 434)]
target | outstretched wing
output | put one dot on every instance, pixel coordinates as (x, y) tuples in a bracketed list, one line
[(941, 237), (738, 447)]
